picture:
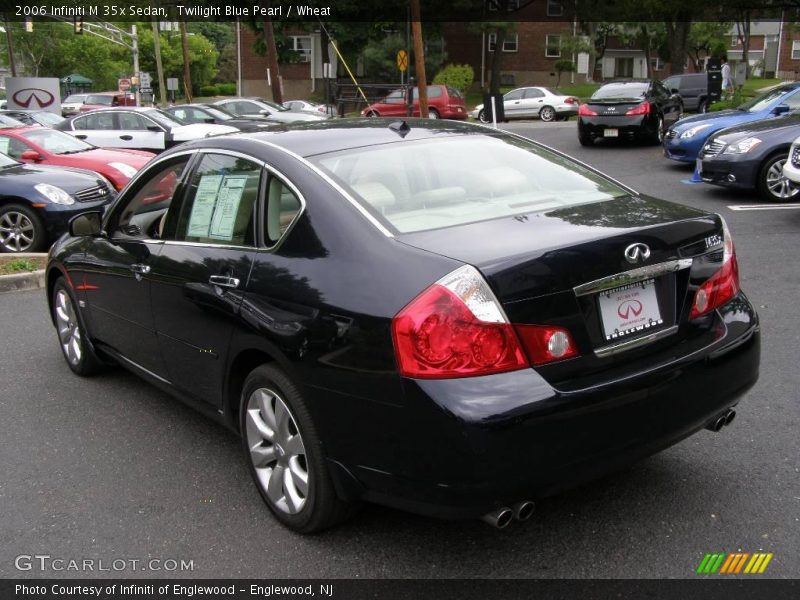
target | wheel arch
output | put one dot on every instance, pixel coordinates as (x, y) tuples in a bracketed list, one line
[(53, 273), (241, 365)]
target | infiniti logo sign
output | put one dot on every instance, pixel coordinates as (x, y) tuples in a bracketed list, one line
[(637, 253), (33, 98)]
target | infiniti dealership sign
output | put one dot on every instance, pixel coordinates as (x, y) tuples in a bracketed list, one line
[(34, 93)]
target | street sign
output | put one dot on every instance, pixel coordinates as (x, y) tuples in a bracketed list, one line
[(145, 90), (172, 83), (145, 81), (124, 85), (402, 60)]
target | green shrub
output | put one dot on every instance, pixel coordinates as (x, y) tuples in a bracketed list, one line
[(733, 101), (226, 89), (457, 76), (209, 90)]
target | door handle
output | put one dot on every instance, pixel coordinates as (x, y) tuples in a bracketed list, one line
[(140, 269), (224, 281), (127, 138), (81, 137)]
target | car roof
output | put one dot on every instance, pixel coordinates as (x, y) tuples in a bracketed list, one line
[(322, 137), (118, 109)]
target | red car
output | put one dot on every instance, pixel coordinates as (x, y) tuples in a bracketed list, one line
[(45, 146), (444, 102), (106, 100)]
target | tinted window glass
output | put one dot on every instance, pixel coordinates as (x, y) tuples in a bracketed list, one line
[(103, 100), (220, 202), (621, 91), (100, 120), (132, 122), (467, 179), (282, 207)]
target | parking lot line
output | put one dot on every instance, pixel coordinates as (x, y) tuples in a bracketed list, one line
[(763, 206)]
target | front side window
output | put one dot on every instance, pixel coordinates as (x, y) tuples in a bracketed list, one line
[(12, 146), (467, 179), (220, 202)]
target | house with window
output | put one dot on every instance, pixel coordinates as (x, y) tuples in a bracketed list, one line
[(762, 54)]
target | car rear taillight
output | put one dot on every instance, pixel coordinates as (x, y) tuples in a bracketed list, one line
[(571, 101), (585, 111), (640, 109), (545, 344), (723, 285), (457, 328)]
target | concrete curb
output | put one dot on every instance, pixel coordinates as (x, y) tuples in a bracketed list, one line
[(23, 281)]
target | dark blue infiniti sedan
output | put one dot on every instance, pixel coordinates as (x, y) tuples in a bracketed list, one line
[(684, 140)]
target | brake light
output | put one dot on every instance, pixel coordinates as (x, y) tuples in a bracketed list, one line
[(641, 109), (571, 101), (585, 111), (545, 344), (723, 285)]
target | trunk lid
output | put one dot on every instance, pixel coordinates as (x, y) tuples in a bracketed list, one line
[(615, 107)]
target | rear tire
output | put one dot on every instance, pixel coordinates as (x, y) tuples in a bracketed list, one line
[(285, 455), (372, 114), (703, 106), (547, 114), (72, 336), (482, 116), (658, 134), (772, 185), (21, 229), (433, 114), (584, 138)]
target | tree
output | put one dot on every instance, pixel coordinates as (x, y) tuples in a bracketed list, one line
[(707, 38)]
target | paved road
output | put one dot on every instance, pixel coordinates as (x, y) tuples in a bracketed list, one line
[(111, 468)]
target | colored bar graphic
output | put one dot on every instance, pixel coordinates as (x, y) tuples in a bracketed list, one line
[(732, 564), (741, 563)]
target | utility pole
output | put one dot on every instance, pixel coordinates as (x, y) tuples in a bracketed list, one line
[(272, 59), (135, 52), (187, 73), (10, 44), (419, 59), (162, 90)]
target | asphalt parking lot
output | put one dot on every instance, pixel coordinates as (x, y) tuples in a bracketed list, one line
[(110, 468)]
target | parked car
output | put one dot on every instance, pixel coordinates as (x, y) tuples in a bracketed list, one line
[(305, 106), (71, 105), (486, 318), (140, 128), (208, 113), (641, 110), (37, 202), (46, 146), (444, 102), (683, 141), (791, 168), (42, 118), (692, 88), (107, 100), (752, 156), (528, 102), (257, 107), (6, 121)]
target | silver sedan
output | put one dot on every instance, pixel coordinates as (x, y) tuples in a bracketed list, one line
[(529, 102)]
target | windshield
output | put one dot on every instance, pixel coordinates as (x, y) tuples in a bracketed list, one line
[(273, 106), (47, 118), (429, 184), (56, 142), (218, 113), (74, 99), (761, 102), (162, 118), (10, 122), (6, 161), (620, 91), (104, 100)]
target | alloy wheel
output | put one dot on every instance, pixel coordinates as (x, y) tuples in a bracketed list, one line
[(778, 185), (660, 130), (69, 332), (277, 451), (547, 114), (17, 232)]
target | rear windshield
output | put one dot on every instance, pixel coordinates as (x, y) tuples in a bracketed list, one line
[(621, 91), (104, 100), (429, 184)]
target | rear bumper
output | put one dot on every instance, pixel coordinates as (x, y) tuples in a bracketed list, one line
[(730, 172), (626, 127), (492, 441)]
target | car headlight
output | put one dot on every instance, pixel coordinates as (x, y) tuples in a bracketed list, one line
[(55, 194), (126, 170), (742, 146), (693, 131)]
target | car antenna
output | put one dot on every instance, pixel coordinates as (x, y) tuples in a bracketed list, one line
[(401, 128)]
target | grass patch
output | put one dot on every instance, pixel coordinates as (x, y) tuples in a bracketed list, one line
[(750, 89), (10, 265)]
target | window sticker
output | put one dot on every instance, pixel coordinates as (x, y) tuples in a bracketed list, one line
[(203, 207), (228, 199)]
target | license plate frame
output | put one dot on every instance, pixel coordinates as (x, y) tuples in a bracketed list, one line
[(629, 310), (611, 132)]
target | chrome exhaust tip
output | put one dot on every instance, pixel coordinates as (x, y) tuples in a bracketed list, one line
[(717, 424), (524, 510), (499, 518), (729, 417)]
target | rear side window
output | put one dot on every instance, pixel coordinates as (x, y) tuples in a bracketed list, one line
[(430, 184), (283, 206), (99, 120), (220, 202)]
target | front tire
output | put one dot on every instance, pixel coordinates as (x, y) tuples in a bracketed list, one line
[(21, 229), (285, 455), (772, 185), (72, 336), (547, 114), (433, 114)]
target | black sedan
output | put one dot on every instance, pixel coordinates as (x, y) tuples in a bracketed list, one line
[(631, 110), (751, 156), (36, 202), (456, 345), (208, 113)]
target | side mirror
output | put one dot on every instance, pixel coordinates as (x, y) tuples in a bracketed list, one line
[(208, 120), (86, 224), (154, 128), (31, 155), (781, 109), (264, 112)]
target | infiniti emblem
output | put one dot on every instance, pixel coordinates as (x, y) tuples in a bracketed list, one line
[(637, 253)]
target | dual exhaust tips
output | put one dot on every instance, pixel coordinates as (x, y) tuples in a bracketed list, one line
[(500, 518), (722, 420)]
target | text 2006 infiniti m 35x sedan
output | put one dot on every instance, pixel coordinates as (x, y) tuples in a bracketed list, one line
[(434, 316)]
